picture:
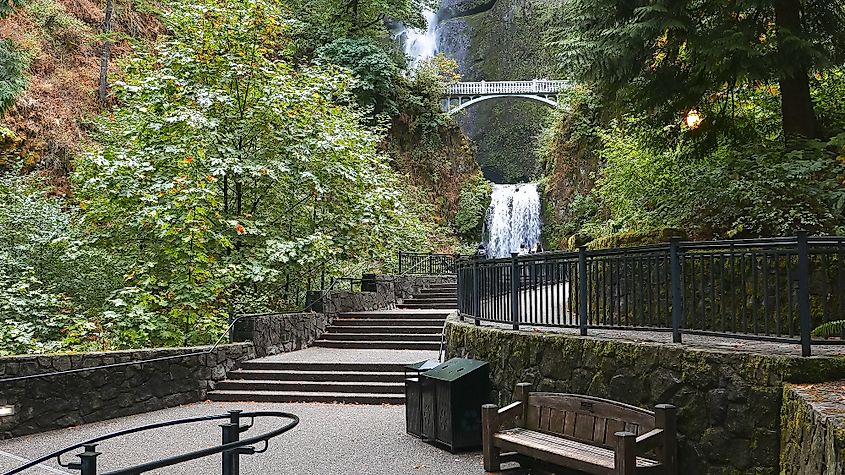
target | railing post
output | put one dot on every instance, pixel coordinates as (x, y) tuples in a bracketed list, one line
[(476, 298), (582, 290), (804, 292), (515, 281), (400, 262), (677, 293), (430, 263), (87, 461), (231, 433)]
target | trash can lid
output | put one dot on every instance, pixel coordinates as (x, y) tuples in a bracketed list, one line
[(423, 365), (454, 369)]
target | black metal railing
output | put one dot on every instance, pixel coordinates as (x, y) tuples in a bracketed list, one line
[(232, 446), (416, 263), (765, 289)]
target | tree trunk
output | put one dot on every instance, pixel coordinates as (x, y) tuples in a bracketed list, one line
[(799, 118), (104, 59)]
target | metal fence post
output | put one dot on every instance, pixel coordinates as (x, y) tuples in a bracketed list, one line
[(400, 262), (87, 461), (804, 292), (677, 293), (476, 298), (582, 290), (231, 433), (430, 263), (515, 281)]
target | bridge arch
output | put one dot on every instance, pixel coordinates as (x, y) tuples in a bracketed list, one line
[(464, 104)]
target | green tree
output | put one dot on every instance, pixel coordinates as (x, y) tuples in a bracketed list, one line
[(667, 56), (226, 176), (374, 70)]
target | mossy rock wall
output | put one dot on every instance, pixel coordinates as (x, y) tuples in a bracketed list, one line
[(813, 429), (729, 402)]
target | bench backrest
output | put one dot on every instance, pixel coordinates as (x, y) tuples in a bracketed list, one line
[(584, 418)]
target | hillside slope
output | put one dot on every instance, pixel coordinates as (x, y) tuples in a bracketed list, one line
[(61, 44)]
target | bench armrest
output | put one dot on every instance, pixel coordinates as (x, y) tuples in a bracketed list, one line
[(509, 413), (650, 441)]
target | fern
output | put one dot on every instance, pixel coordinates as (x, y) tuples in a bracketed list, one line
[(830, 329)]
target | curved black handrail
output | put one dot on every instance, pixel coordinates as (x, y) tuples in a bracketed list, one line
[(145, 467)]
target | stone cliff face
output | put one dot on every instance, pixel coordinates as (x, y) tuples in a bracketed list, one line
[(500, 40)]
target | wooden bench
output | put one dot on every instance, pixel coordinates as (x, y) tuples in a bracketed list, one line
[(578, 432)]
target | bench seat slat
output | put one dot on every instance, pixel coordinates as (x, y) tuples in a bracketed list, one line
[(561, 451)]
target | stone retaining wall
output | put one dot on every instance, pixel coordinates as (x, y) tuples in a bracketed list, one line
[(59, 401), (813, 429), (281, 333), (729, 402), (339, 301)]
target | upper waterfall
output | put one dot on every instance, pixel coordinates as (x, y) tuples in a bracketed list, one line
[(420, 44), (513, 219)]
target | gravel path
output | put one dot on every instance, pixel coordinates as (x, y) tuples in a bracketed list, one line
[(330, 439)]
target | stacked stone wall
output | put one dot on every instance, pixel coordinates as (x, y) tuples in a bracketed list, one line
[(281, 333), (728, 402), (64, 400), (813, 429)]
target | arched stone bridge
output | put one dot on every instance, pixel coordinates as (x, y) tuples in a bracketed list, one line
[(461, 95)]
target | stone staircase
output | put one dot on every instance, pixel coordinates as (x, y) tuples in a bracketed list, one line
[(386, 330), (361, 338), (437, 296), (351, 383)]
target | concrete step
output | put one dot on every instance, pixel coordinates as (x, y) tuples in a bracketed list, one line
[(312, 386), (431, 300), (294, 396), (337, 336), (311, 375), (443, 285), (379, 345), (327, 366), (407, 329), (436, 295), (438, 305), (389, 322), (398, 315)]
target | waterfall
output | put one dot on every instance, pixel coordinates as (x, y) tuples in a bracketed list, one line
[(421, 44), (513, 219)]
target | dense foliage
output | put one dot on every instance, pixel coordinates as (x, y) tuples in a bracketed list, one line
[(664, 57), (225, 180), (472, 209), (719, 120)]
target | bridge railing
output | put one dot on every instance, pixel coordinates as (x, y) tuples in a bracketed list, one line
[(775, 290), (507, 87)]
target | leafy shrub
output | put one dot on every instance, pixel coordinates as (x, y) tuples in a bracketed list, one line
[(13, 66), (735, 191), (473, 202), (374, 71)]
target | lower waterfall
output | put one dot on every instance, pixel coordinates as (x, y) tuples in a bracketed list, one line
[(513, 220)]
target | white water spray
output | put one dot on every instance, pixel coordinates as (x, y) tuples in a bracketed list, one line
[(420, 44), (513, 219)]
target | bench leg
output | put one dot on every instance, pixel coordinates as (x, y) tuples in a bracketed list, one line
[(665, 417), (489, 426), (625, 456)]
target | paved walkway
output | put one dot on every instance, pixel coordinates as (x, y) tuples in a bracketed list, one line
[(330, 440), (342, 355)]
